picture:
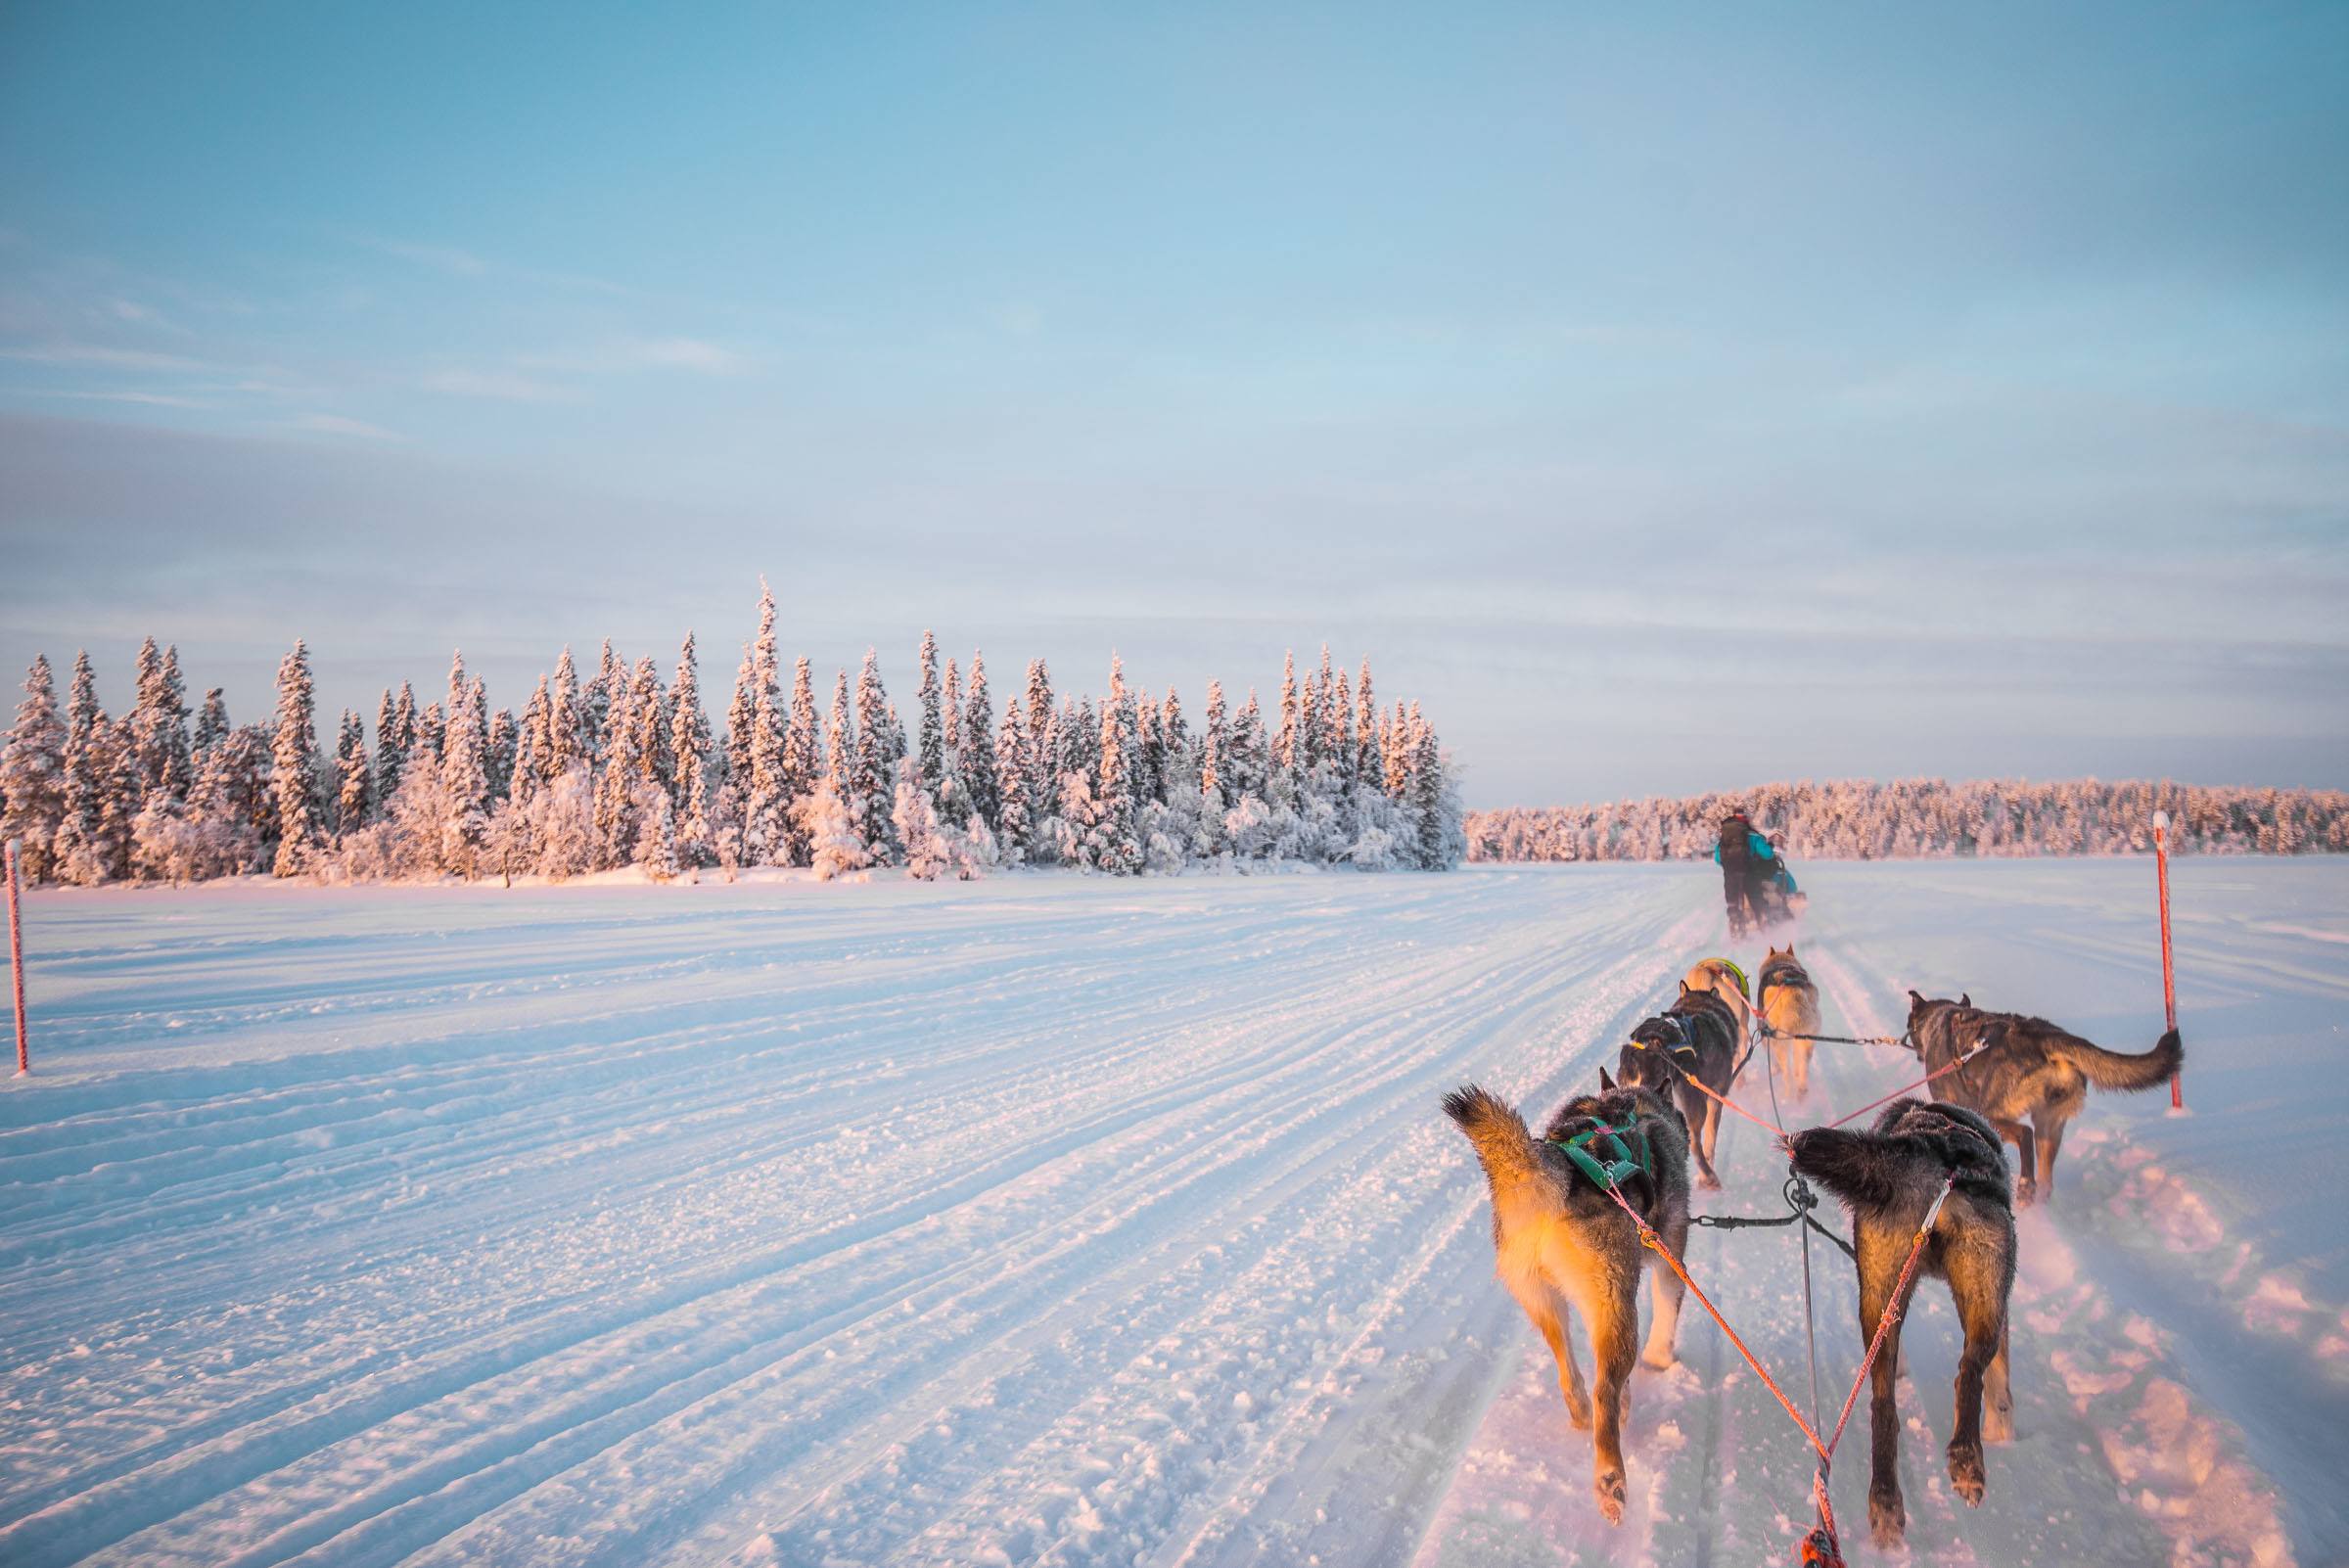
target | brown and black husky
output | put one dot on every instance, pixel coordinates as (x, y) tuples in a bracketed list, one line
[(1560, 1239), (1788, 1002), (1887, 1179), (1694, 1038), (2032, 1070)]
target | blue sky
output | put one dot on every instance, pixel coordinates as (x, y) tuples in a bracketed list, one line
[(1670, 398)]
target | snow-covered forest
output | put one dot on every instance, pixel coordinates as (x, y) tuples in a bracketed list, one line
[(1857, 819), (620, 769)]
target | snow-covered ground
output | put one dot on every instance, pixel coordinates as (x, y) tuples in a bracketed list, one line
[(1064, 1221)]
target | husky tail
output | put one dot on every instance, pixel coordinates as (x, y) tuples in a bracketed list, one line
[(1854, 1166), (2116, 1070), (1505, 1146)]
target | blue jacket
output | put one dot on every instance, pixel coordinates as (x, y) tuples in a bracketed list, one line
[(1755, 844)]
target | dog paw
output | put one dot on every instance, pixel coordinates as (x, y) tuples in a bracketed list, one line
[(1577, 1412), (1609, 1487), (1998, 1425), (1966, 1475), (2026, 1192), (1659, 1361), (1887, 1520), (1707, 1180)]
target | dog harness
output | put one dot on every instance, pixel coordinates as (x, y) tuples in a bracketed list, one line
[(1684, 1047), (1617, 1164), (1743, 989)]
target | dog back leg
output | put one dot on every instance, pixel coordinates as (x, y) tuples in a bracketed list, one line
[(2048, 1124), (1547, 1308), (1800, 1050), (1703, 1117), (1611, 1307), (1880, 1259), (1997, 1399), (1665, 1292), (2026, 1180), (1979, 1273)]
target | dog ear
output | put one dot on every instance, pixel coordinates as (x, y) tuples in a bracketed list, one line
[(1965, 998), (1914, 1000), (1606, 1085), (1683, 987), (1790, 950)]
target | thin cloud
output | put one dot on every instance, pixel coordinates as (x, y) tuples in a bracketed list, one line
[(338, 425), (144, 398), (502, 385), (690, 353), (86, 353)]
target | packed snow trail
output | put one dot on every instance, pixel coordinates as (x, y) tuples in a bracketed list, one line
[(1064, 1221)]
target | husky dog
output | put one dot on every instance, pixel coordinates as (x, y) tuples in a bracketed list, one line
[(1788, 1003), (2031, 1069), (1726, 981), (1695, 1039), (1886, 1178), (1559, 1239)]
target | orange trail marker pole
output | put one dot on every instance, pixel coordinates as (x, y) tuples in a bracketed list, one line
[(2169, 972), (16, 959)]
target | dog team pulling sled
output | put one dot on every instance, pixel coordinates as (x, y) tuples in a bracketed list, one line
[(1577, 1210)]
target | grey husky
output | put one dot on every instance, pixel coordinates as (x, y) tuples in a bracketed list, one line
[(2030, 1069), (1559, 1240), (1694, 1040), (1887, 1178)]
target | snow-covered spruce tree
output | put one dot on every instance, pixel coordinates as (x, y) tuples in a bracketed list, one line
[(649, 723), (533, 746), (32, 775), (689, 746), (355, 780), (159, 724), (835, 847), (802, 758), (1148, 782), (1178, 759), (211, 724), (1368, 767), (293, 768), (395, 739), (1442, 843), (1213, 800), (954, 804), (1043, 776), (978, 750), (657, 841), (464, 777), (567, 721), (1250, 761), (1014, 820), (431, 738), (870, 792), (740, 715), (1113, 845), (930, 761), (78, 822), (1288, 746), (232, 808), (615, 784), (504, 752), (609, 687), (917, 823)]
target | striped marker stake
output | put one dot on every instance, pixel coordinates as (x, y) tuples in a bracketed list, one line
[(2169, 972), (15, 960)]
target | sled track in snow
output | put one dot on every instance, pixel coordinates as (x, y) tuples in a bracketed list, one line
[(1049, 1221)]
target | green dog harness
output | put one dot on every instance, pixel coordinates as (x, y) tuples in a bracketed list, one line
[(1611, 1167)]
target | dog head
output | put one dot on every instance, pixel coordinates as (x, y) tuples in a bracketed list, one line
[(1656, 1055)]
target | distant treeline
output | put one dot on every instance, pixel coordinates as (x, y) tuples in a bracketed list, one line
[(619, 767), (1858, 820)]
